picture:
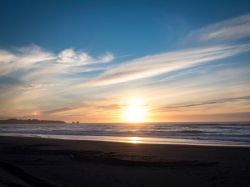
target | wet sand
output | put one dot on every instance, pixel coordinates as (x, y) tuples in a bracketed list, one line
[(50, 162)]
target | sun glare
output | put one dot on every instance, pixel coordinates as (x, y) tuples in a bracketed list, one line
[(135, 112)]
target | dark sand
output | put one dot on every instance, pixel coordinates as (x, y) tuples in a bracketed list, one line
[(48, 162)]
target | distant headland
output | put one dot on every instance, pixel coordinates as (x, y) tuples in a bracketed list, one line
[(29, 121)]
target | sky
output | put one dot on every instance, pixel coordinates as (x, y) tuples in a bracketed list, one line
[(86, 60)]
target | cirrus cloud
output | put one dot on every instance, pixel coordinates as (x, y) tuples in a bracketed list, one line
[(158, 64), (228, 30)]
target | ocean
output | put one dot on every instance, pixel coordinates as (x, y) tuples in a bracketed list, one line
[(226, 134)]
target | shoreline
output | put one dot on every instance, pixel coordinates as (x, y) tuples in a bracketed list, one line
[(129, 140)]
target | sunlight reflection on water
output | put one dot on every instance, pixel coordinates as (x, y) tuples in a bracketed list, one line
[(237, 134), (134, 140)]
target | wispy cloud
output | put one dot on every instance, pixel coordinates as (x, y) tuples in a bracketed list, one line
[(154, 65), (210, 102), (31, 73), (23, 59), (73, 57), (63, 109), (87, 108), (231, 29), (34, 57)]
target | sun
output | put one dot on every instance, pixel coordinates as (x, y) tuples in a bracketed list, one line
[(135, 111)]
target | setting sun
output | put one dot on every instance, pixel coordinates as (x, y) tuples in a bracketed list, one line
[(135, 111)]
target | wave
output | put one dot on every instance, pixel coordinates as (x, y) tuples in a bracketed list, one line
[(190, 133)]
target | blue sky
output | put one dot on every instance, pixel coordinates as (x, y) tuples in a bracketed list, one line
[(133, 28), (73, 59)]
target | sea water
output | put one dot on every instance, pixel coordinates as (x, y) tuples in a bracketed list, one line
[(227, 134)]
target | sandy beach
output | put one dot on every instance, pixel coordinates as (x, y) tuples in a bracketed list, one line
[(50, 162)]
